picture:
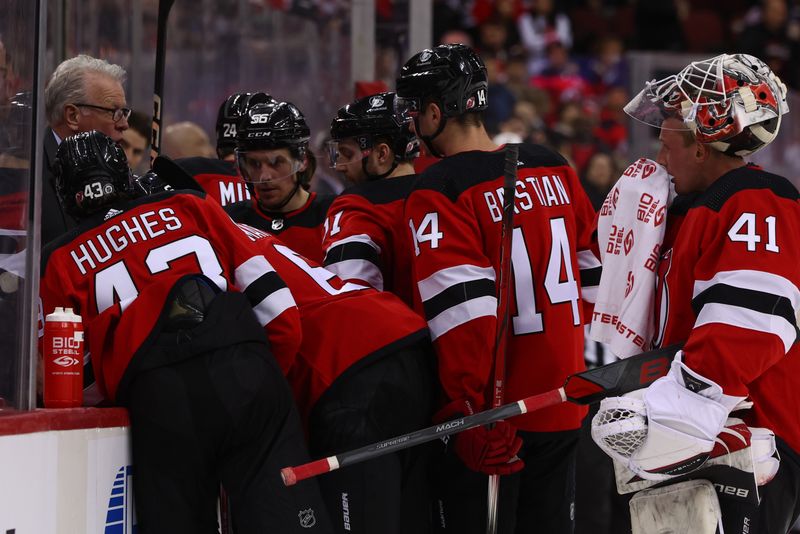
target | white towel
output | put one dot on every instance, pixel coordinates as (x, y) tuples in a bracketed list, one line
[(630, 231)]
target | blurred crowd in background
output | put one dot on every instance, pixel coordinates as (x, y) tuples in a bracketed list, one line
[(558, 70)]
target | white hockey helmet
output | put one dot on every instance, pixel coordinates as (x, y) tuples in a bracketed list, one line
[(733, 103)]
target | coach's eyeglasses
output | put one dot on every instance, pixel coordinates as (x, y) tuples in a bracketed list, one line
[(117, 114)]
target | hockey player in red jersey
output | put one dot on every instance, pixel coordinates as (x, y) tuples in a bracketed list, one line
[(175, 299), (728, 282), (364, 373), (272, 154), (366, 238), (455, 214)]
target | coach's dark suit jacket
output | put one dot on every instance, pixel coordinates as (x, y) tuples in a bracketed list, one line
[(55, 221)]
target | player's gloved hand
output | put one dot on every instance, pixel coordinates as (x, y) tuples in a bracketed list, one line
[(491, 451), (670, 429)]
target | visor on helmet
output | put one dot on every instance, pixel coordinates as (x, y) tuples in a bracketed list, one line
[(349, 150), (260, 166)]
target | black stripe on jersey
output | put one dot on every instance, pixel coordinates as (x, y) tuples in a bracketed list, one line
[(591, 277), (742, 179), (384, 191), (457, 294), (263, 286), (353, 250), (752, 299), (456, 174)]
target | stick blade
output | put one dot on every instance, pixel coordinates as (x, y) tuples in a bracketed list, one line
[(620, 377)]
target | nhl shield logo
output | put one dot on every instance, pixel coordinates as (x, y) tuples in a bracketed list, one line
[(307, 519), (376, 101), (277, 224)]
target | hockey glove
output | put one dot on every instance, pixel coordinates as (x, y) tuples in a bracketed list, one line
[(491, 451), (667, 429)]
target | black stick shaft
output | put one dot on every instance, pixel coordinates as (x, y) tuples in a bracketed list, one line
[(164, 7), (586, 387)]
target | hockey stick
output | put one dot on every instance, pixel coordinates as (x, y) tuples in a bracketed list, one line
[(584, 388), (164, 6), (503, 295)]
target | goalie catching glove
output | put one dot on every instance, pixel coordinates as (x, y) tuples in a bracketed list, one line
[(667, 429), (492, 451)]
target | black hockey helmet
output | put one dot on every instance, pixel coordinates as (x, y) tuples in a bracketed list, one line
[(228, 117), (370, 117), (453, 75), (273, 125), (91, 173)]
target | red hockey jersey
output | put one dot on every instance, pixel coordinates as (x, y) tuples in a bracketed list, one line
[(455, 216), (367, 240), (301, 229), (116, 270), (218, 178), (345, 325), (728, 287)]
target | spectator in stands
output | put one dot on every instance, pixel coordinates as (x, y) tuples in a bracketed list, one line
[(82, 94), (136, 139), (599, 177), (185, 140), (776, 39), (611, 130), (606, 66), (560, 78), (503, 99), (538, 28)]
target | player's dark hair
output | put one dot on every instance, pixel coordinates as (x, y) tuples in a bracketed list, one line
[(141, 123)]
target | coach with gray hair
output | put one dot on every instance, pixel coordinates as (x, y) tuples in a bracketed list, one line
[(83, 93)]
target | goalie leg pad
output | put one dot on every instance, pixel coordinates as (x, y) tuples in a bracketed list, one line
[(688, 507)]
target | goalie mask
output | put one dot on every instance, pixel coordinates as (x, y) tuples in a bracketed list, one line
[(91, 173), (230, 112), (733, 103), (361, 125)]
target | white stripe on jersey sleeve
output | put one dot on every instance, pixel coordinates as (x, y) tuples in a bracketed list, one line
[(359, 270), (250, 271), (589, 293), (587, 260), (462, 313), (441, 280), (274, 305), (746, 318)]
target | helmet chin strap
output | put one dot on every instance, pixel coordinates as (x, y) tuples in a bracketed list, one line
[(275, 210), (428, 139), (373, 177)]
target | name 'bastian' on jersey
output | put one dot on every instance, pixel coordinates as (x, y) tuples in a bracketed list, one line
[(549, 190)]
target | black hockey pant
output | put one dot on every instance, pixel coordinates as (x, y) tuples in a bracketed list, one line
[(224, 415), (540, 498), (393, 395)]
